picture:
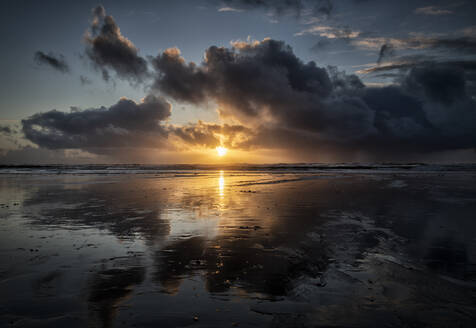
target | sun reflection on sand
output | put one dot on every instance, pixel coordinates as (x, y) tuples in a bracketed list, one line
[(221, 185)]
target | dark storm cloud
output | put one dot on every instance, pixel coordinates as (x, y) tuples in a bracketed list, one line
[(268, 89), (178, 79), (263, 80), (108, 49), (124, 124), (386, 51), (440, 83), (56, 62)]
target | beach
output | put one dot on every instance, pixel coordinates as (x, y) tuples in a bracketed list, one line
[(252, 247)]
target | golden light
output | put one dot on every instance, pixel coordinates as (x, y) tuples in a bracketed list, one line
[(221, 184), (221, 151)]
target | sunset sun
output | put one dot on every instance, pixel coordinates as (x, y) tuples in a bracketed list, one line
[(221, 151)]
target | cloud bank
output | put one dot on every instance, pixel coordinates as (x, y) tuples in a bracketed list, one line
[(124, 124), (265, 86), (269, 99), (277, 101)]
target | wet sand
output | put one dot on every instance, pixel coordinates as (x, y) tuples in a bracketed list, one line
[(238, 248)]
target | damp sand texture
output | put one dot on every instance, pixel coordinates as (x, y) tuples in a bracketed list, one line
[(245, 248)]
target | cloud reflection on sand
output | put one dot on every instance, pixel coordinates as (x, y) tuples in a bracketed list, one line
[(271, 243)]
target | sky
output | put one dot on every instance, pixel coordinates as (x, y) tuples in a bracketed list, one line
[(271, 81)]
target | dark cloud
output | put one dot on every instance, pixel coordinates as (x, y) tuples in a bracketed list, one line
[(274, 99), (197, 134), (444, 84), (264, 80), (56, 62), (386, 51), (84, 80), (105, 75), (6, 130), (292, 104), (124, 128), (125, 124), (178, 79), (108, 49), (211, 135)]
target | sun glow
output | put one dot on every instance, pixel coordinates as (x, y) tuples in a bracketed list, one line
[(221, 184), (221, 151)]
